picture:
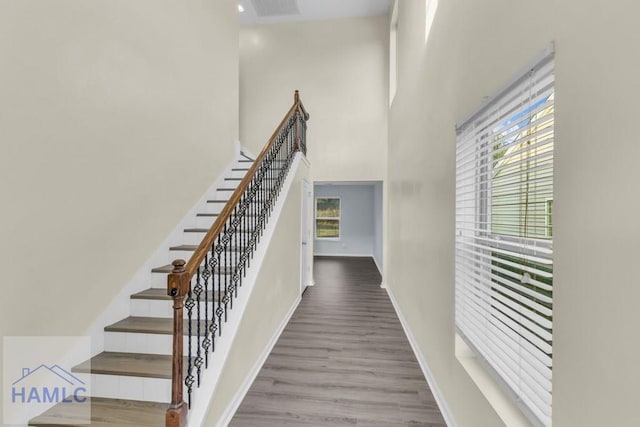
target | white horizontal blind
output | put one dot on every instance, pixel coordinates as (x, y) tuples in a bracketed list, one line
[(504, 245)]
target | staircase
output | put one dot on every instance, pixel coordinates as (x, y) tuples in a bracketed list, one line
[(131, 379), (154, 369)]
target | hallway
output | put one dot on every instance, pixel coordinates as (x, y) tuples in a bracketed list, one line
[(343, 359)]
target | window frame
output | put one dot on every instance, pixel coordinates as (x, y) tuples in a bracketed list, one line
[(316, 218), (504, 280)]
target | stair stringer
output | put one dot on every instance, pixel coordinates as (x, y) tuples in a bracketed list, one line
[(119, 307), (202, 396)]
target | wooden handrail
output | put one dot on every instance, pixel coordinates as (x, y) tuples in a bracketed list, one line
[(198, 256), (179, 280)]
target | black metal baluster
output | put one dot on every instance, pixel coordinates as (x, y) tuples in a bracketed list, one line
[(219, 310), (214, 326), (198, 360), (225, 297), (189, 379), (206, 343), (237, 238)]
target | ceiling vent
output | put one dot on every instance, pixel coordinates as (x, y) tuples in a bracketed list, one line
[(266, 8)]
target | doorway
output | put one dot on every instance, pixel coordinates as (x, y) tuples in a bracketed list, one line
[(306, 251)]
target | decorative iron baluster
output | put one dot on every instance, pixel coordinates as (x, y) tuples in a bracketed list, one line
[(219, 310), (198, 361), (213, 326), (189, 379), (206, 343), (225, 297)]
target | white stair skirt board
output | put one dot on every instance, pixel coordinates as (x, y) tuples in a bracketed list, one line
[(230, 411), (201, 397), (437, 394), (119, 307)]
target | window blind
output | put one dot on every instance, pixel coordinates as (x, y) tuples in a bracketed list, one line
[(504, 245)]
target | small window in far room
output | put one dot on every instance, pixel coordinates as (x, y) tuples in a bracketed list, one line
[(327, 218)]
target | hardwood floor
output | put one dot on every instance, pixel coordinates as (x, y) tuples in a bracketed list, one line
[(104, 413), (343, 359)]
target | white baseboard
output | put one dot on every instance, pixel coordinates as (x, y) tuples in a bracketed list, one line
[(435, 390), (238, 397), (347, 255)]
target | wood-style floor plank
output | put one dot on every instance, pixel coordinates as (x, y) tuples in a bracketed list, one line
[(104, 412), (343, 359)]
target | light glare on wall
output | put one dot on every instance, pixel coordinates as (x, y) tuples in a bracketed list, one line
[(430, 9), (240, 8)]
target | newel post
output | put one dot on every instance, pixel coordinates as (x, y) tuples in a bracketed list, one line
[(177, 288), (298, 138)]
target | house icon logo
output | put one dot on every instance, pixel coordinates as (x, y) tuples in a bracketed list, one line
[(48, 384)]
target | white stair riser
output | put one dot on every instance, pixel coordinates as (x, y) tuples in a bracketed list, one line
[(173, 255), (160, 308), (203, 221), (159, 280), (196, 238), (191, 238), (215, 207), (131, 342), (134, 388), (238, 174), (224, 195)]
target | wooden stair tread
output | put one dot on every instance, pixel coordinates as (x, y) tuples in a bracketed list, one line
[(200, 230), (149, 325), (194, 247), (164, 269), (128, 364), (203, 214), (184, 248), (105, 413), (169, 268), (161, 294), (196, 230)]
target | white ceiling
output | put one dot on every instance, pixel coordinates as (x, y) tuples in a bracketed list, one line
[(309, 10)]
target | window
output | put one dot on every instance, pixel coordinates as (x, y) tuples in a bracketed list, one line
[(327, 218), (504, 247)]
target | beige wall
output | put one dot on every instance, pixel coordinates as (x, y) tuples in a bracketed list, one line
[(340, 68), (115, 117), (276, 289), (474, 48)]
